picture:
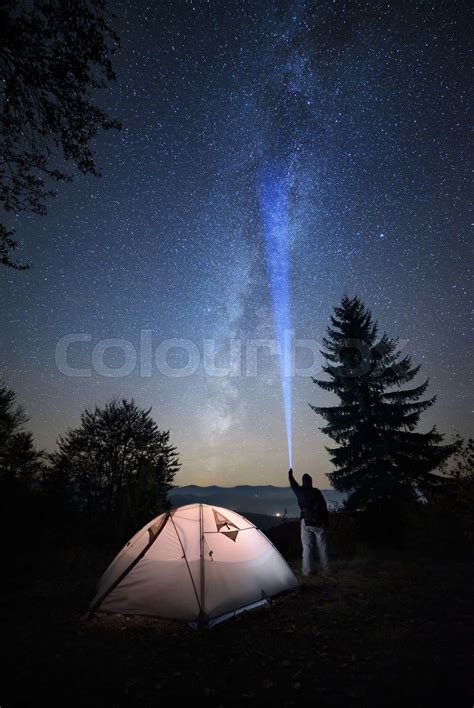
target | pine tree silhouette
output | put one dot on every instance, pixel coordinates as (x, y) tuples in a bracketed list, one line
[(380, 457)]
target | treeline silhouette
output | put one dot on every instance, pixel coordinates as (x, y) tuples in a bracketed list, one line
[(404, 489)]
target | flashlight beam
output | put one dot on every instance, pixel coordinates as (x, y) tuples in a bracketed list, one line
[(274, 203)]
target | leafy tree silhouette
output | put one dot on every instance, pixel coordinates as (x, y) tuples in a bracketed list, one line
[(19, 459), (117, 465), (53, 55)]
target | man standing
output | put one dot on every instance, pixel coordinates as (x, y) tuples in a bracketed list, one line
[(314, 522)]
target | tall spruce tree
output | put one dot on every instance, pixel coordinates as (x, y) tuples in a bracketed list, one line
[(380, 456)]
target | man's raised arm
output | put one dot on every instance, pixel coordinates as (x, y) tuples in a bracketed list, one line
[(293, 483)]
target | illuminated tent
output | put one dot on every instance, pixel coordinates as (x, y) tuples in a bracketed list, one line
[(198, 563)]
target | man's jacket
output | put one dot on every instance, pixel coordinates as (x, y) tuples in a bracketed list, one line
[(313, 506)]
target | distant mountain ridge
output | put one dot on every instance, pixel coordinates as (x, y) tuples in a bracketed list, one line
[(258, 499)]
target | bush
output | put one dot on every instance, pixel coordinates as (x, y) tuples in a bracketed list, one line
[(444, 527)]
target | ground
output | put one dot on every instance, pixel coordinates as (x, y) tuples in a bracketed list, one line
[(377, 631)]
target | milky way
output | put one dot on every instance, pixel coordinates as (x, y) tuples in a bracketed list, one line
[(365, 107)]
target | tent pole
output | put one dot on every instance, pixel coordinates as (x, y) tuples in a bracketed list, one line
[(132, 565), (201, 527), (187, 564)]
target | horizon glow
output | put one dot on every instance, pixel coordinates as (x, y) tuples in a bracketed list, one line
[(274, 205)]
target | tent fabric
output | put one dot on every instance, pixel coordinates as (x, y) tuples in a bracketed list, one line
[(198, 563)]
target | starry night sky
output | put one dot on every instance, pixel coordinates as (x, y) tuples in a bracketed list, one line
[(364, 107)]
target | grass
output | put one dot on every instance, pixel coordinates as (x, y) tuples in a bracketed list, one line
[(375, 632)]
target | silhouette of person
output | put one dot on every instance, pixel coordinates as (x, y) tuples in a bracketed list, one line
[(314, 522)]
